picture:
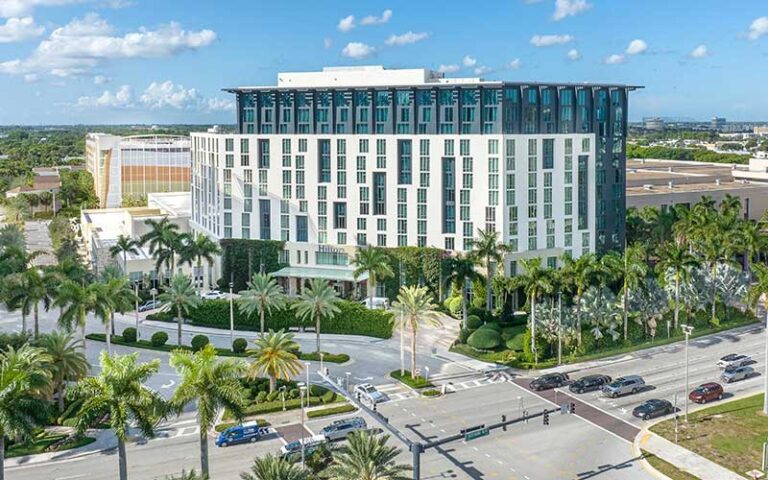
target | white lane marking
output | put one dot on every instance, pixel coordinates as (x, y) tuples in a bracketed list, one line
[(70, 477), (168, 385)]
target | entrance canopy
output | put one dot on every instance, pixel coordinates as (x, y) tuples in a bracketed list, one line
[(332, 274)]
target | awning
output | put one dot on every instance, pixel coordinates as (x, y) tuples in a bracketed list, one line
[(335, 274)]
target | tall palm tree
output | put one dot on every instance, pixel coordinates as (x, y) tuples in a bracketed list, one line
[(714, 250), (122, 247), (181, 296), (317, 302), (376, 263), (76, 301), (68, 362), (213, 385), (270, 467), (367, 457), (115, 295), (461, 271), (27, 290), (752, 242), (536, 281), (262, 296), (118, 394), (488, 251), (633, 268), (273, 355), (414, 308), (677, 260), (758, 292), (163, 242), (580, 274), (198, 248), (23, 376)]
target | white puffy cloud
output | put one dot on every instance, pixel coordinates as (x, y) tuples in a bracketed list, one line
[(327, 43), (386, 15), (121, 98), (406, 38), (758, 28), (31, 78), (574, 54), (515, 64), (19, 29), (17, 8), (468, 61), (550, 40), (615, 59), (346, 24), (100, 80), (168, 95), (700, 52), (358, 50), (452, 68), (636, 47), (220, 104), (567, 8), (482, 70), (87, 42), (157, 96)]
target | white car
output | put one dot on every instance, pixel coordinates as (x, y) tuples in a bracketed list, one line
[(368, 392), (213, 295), (734, 360)]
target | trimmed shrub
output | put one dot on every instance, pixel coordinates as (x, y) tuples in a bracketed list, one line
[(484, 339), (493, 326), (199, 342), (324, 412), (516, 343), (158, 339), (129, 335), (453, 305), (239, 345), (464, 334), (294, 393), (431, 393), (474, 322), (271, 397), (260, 397)]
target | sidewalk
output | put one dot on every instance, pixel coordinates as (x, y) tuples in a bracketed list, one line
[(682, 458), (105, 440)]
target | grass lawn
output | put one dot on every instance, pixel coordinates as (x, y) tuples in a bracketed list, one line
[(667, 468), (41, 443), (418, 382), (731, 434)]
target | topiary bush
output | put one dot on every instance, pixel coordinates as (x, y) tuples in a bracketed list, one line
[(474, 322), (239, 345), (199, 342), (159, 339), (453, 305), (484, 339), (493, 326), (464, 334), (129, 335)]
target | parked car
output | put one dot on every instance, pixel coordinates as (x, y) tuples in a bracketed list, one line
[(548, 381), (623, 386), (381, 303), (653, 408), (589, 383), (734, 374), (368, 392), (292, 451), (706, 393), (247, 432), (213, 295), (150, 305), (734, 360), (340, 429)]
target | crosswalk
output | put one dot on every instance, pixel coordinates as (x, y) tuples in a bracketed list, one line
[(396, 392)]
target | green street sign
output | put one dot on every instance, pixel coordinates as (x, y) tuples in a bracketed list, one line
[(473, 434)]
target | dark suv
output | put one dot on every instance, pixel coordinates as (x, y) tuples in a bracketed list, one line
[(550, 380), (589, 383)]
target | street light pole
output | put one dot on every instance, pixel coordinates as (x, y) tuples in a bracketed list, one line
[(302, 423), (282, 394), (347, 384), (321, 363), (765, 377), (687, 330), (231, 316), (136, 298), (559, 328)]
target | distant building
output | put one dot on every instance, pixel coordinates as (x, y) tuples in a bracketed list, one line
[(717, 124), (760, 130), (654, 124), (45, 180), (129, 168)]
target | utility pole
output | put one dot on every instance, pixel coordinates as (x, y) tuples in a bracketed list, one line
[(687, 330), (559, 328)]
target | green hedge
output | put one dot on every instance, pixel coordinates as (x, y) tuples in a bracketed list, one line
[(324, 412), (418, 382), (353, 319), (327, 398)]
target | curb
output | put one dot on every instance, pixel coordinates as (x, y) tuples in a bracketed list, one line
[(643, 462), (35, 460)]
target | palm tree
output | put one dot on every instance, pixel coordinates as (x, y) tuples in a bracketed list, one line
[(678, 260), (414, 308), (757, 293), (634, 269), (123, 246), (752, 242), (115, 295), (262, 296), (461, 271), (274, 357), (376, 263), (199, 248), (27, 290), (118, 394), (317, 302), (76, 301), (271, 467), (179, 295), (536, 281), (487, 250), (367, 457), (580, 273), (68, 362), (163, 241), (212, 385), (714, 249), (23, 376)]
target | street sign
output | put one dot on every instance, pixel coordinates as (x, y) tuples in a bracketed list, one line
[(474, 434)]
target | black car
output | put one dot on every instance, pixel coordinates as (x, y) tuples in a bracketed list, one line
[(653, 408), (550, 380), (589, 383)]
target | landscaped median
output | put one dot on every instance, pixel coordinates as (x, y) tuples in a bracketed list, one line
[(47, 441), (413, 382), (667, 468), (224, 352)]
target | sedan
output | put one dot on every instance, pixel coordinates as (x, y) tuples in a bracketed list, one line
[(150, 305), (551, 380), (213, 295), (653, 408), (734, 360), (589, 383), (734, 374), (706, 393)]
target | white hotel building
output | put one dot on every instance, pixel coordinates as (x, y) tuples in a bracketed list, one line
[(328, 161)]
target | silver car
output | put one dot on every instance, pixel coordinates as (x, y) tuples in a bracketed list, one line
[(624, 386), (368, 392), (340, 429), (734, 374)]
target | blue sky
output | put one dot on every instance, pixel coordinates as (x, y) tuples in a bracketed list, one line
[(165, 61)]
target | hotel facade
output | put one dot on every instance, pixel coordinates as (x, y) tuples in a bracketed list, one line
[(329, 161)]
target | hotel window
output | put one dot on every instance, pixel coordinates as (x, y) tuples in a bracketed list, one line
[(510, 154), (379, 193), (530, 114), (339, 215), (381, 240), (263, 153), (229, 160), (449, 243), (381, 153), (324, 147), (363, 145), (302, 234), (229, 144), (548, 153), (404, 162), (364, 198), (245, 220), (361, 169), (302, 145)]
